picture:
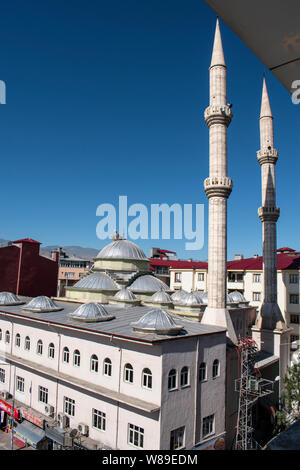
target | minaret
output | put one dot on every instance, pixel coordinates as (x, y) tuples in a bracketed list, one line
[(218, 188), (270, 316)]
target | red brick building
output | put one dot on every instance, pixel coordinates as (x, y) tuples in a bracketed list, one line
[(24, 271)]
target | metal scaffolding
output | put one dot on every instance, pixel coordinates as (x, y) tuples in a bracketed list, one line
[(251, 387)]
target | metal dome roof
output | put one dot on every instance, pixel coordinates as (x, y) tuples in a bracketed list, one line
[(148, 283), (157, 321), (236, 297), (8, 298), (96, 281), (42, 304), (161, 297), (178, 295), (204, 297), (120, 248), (91, 312), (125, 295), (192, 298)]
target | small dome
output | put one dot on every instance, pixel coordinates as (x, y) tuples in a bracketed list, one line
[(178, 295), (236, 297), (148, 283), (91, 312), (204, 297), (125, 295), (42, 304), (96, 281), (191, 299), (161, 297), (8, 298), (120, 248), (157, 321)]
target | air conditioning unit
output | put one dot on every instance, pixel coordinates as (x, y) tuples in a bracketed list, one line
[(63, 420), (49, 410), (83, 429), (5, 395)]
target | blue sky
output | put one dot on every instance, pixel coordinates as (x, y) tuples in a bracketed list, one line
[(107, 99)]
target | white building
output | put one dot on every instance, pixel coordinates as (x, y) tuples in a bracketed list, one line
[(126, 386)]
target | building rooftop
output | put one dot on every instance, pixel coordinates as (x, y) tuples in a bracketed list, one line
[(120, 326)]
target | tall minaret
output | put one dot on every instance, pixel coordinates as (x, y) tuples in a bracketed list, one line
[(270, 316), (218, 188)]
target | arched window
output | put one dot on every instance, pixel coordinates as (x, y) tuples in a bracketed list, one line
[(107, 367), (76, 358), (216, 368), (7, 337), (147, 378), (128, 373), (94, 363), (27, 343), (66, 355), (202, 372), (184, 377), (18, 340), (51, 351), (172, 380), (39, 349)]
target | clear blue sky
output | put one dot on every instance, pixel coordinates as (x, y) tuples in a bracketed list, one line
[(106, 98)]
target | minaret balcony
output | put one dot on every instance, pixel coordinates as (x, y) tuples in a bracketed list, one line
[(218, 115), (218, 186), (268, 214), (267, 155)]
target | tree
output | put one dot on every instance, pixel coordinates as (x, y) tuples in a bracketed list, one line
[(290, 404)]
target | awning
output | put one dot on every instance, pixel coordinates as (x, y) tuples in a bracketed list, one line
[(30, 433)]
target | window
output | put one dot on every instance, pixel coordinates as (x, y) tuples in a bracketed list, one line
[(294, 298), (94, 363), (99, 420), (128, 373), (177, 439), (51, 351), (135, 436), (7, 337), (2, 376), (202, 372), (207, 425), (256, 277), (76, 358), (69, 275), (184, 377), (18, 340), (177, 277), (20, 384), (39, 349), (66, 355), (172, 380), (294, 319), (147, 378), (27, 343), (200, 276), (107, 367), (0, 335), (69, 406), (294, 278), (256, 296), (43, 394), (235, 277), (216, 369)]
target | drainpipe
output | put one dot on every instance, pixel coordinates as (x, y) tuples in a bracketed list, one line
[(19, 269)]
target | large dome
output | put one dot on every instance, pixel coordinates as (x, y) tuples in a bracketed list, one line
[(96, 281), (148, 283), (120, 248)]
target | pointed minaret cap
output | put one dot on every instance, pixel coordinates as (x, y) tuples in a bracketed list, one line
[(265, 110), (217, 54)]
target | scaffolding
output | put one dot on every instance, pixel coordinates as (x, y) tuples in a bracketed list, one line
[(251, 387)]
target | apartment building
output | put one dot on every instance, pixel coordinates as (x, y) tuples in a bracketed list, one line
[(246, 276)]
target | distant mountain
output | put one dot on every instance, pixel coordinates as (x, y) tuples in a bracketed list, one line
[(76, 251)]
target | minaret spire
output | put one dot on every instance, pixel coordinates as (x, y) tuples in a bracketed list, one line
[(270, 316), (218, 188)]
